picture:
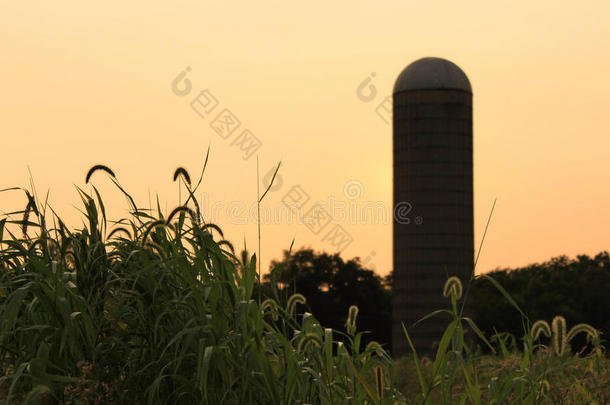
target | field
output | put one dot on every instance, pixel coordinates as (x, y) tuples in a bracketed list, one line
[(158, 308)]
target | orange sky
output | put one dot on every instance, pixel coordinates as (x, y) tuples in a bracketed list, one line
[(83, 84)]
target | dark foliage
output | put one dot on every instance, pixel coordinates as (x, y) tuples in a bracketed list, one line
[(331, 285), (577, 288)]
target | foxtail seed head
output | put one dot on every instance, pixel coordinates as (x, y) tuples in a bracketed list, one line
[(453, 286), (540, 327), (374, 347), (95, 169), (293, 301), (559, 334), (352, 314), (31, 206), (269, 305), (583, 328), (309, 339), (185, 175), (560, 337)]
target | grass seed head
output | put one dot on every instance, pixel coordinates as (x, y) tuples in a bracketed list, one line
[(352, 315), (560, 339), (185, 175), (453, 286), (293, 301), (95, 169)]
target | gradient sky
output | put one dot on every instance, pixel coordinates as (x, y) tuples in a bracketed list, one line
[(83, 84)]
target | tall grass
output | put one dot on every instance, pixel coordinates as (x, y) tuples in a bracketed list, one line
[(157, 308), (532, 374)]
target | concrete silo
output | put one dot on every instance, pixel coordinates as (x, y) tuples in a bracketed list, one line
[(433, 222)]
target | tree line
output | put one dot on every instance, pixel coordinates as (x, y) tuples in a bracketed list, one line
[(578, 289)]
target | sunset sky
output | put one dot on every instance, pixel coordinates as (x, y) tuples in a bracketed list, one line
[(83, 84)]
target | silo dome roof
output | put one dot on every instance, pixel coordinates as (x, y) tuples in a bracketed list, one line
[(432, 73)]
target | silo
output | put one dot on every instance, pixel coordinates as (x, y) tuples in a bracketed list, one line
[(433, 222)]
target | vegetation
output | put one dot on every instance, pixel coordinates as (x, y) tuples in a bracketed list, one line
[(332, 285), (574, 288), (157, 308), (536, 374)]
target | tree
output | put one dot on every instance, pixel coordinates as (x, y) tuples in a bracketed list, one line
[(331, 285), (574, 288)]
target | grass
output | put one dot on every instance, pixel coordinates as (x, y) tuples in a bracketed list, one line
[(568, 380), (157, 308)]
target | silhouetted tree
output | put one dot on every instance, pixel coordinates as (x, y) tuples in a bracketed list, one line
[(577, 288), (331, 285)]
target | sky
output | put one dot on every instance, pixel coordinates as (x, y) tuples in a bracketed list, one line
[(84, 84)]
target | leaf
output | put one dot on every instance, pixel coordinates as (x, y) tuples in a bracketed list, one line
[(504, 293), (420, 376), (270, 183), (479, 333)]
